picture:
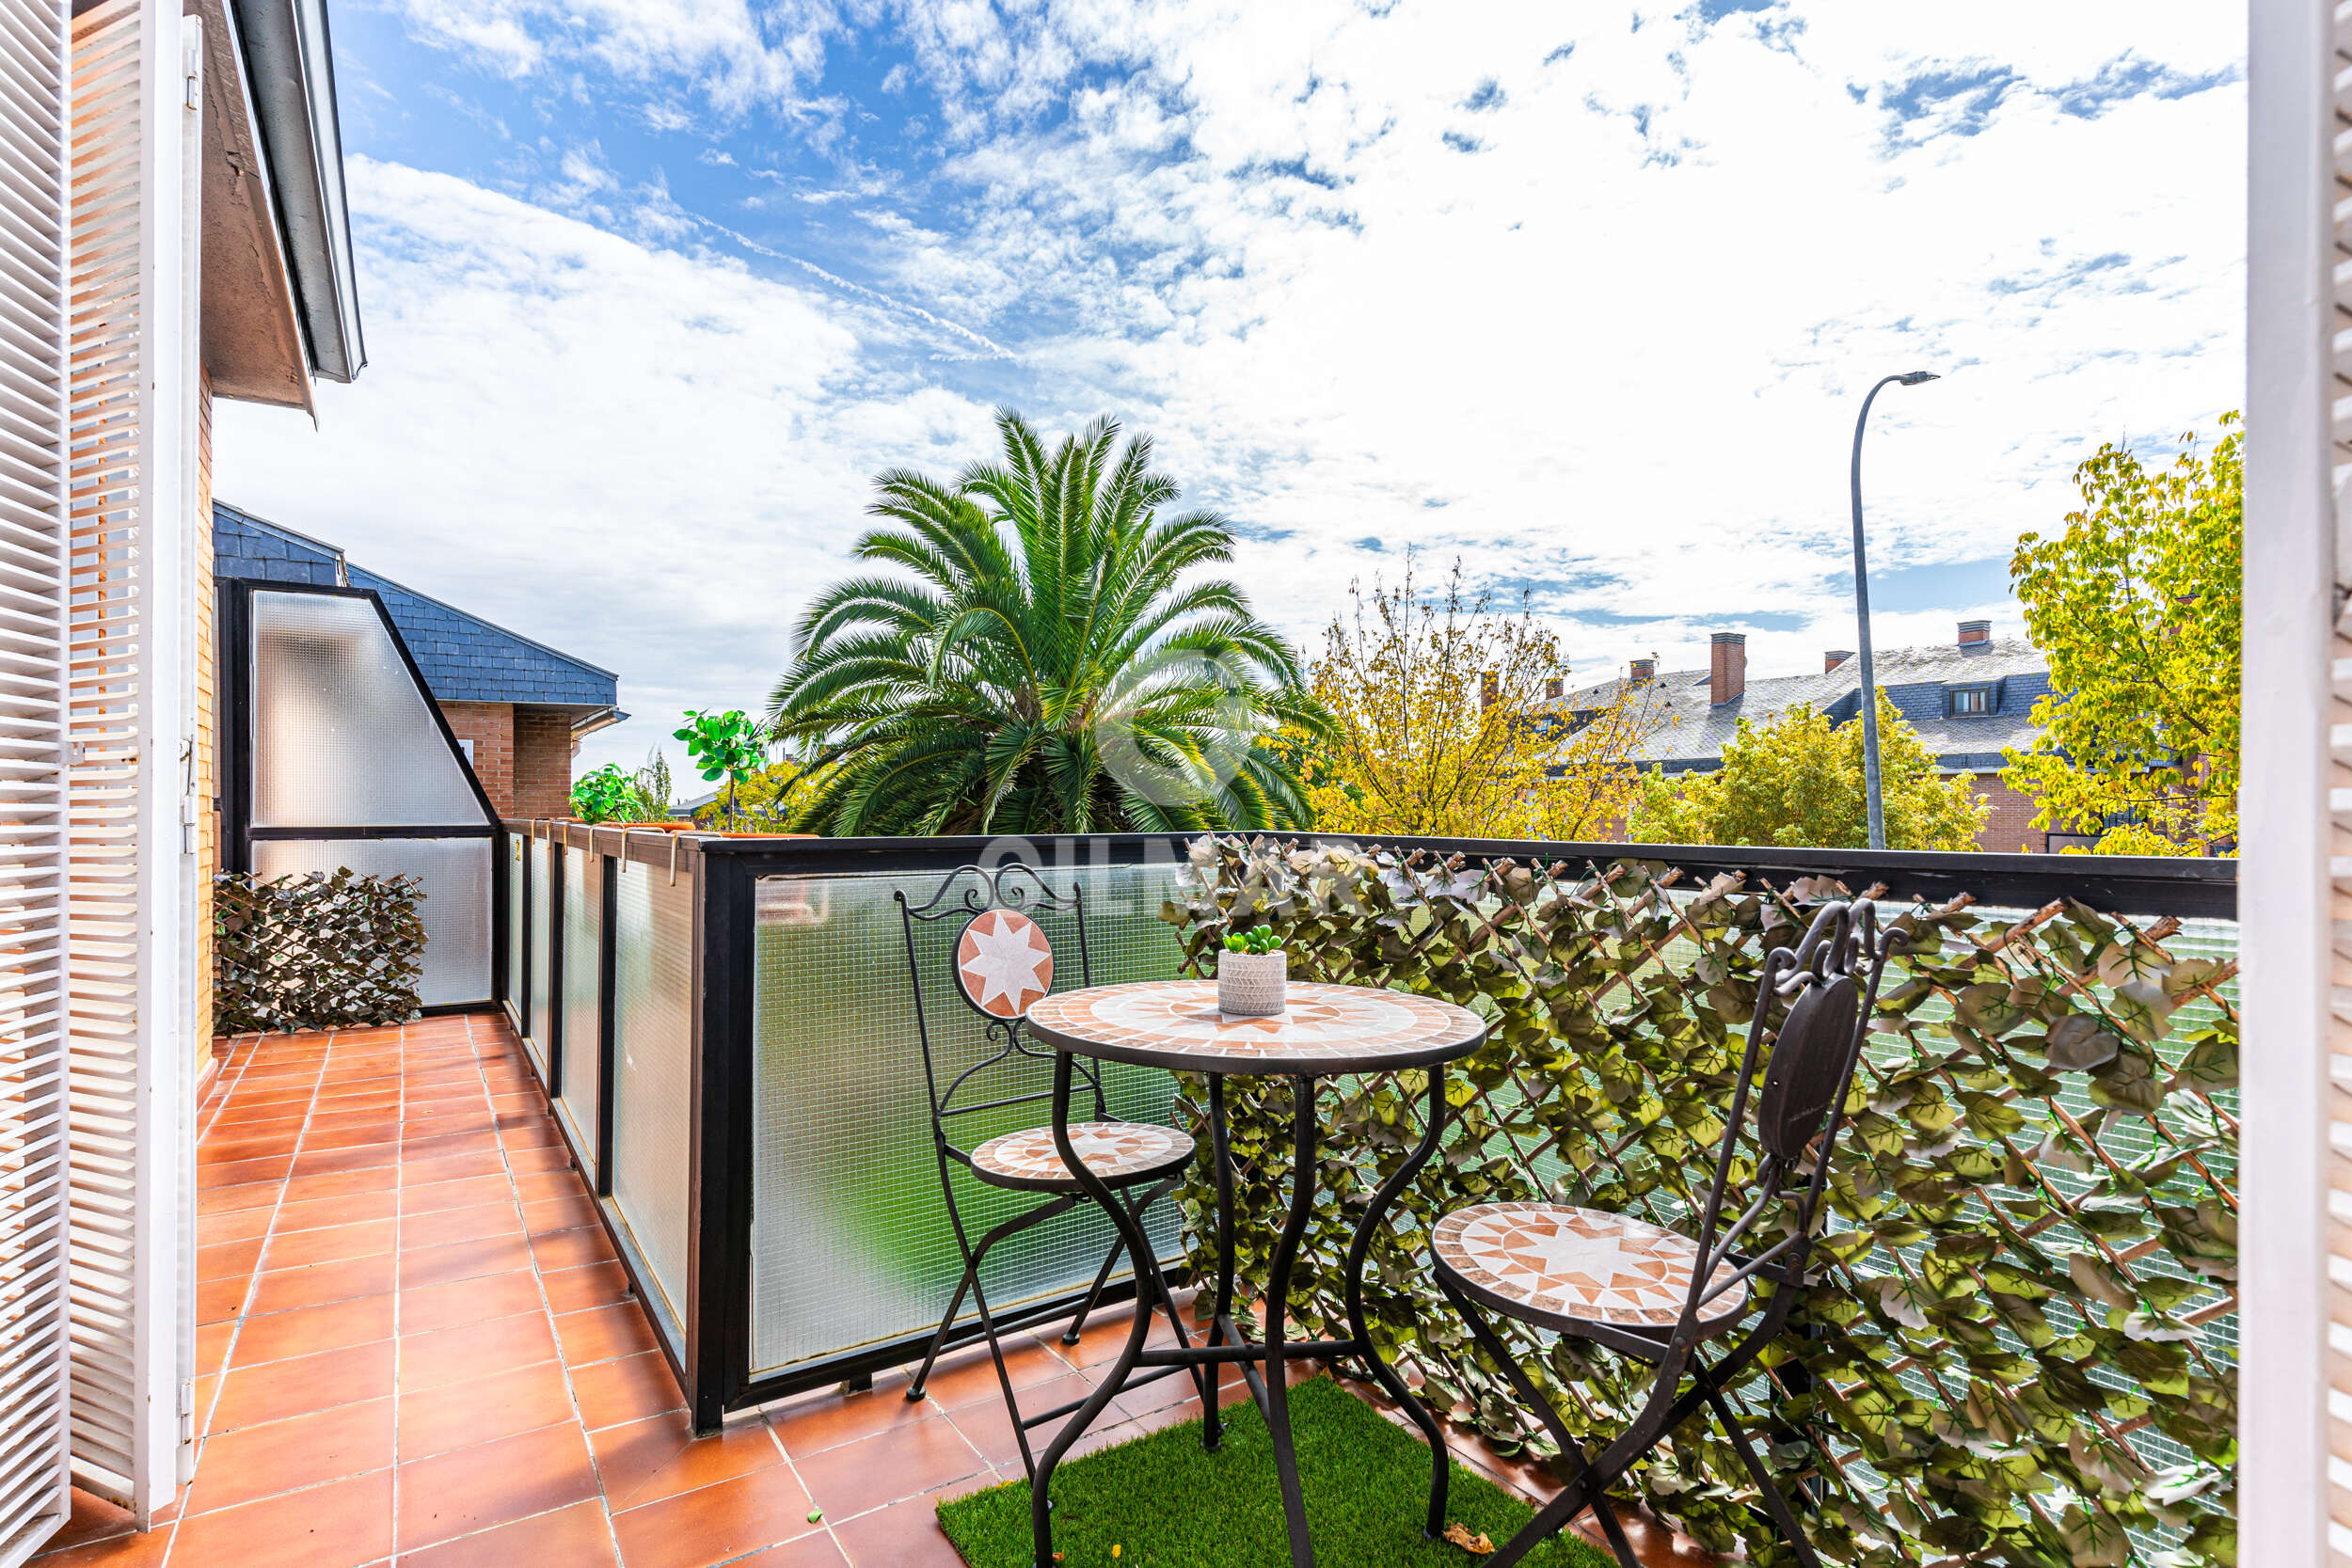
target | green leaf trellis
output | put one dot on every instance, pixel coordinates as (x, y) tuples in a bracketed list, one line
[(320, 951), (2018, 1344)]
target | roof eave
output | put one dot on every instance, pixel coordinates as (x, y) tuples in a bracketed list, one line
[(291, 70)]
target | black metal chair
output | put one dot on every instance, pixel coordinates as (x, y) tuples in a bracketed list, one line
[(1003, 964), (1657, 1295)]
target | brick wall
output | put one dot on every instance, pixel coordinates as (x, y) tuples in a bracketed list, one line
[(491, 728), (2009, 827), (543, 760)]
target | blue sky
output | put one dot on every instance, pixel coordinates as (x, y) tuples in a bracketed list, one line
[(1584, 296)]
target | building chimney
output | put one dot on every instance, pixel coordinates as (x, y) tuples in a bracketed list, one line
[(1727, 667), (1835, 657), (1551, 689), (1489, 691), (1644, 670), (1975, 633)]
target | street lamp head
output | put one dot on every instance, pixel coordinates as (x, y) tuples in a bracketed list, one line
[(1916, 377)]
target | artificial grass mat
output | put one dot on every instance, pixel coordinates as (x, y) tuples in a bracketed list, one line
[(1165, 1504)]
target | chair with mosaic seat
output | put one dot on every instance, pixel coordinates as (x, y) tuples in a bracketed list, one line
[(1001, 964), (1684, 1306)]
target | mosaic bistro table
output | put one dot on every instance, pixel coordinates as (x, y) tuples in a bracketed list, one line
[(1326, 1030)]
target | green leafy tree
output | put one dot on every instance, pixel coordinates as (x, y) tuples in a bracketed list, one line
[(1043, 659), (607, 794), (761, 800), (2137, 605), (1798, 781), (723, 746)]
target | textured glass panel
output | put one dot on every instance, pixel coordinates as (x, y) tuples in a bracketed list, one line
[(851, 1242), (516, 952), (583, 906), (653, 985), (341, 735), (542, 896), (455, 874)]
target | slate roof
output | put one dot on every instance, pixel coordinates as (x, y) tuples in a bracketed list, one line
[(1685, 731), (464, 657)]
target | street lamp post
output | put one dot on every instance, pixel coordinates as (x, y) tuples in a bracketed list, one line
[(1862, 623)]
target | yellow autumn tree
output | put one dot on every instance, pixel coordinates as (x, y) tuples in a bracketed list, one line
[(1448, 723)]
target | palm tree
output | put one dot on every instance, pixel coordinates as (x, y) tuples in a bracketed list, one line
[(1048, 667)]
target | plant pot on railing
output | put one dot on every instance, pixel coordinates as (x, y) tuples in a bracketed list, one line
[(1252, 975)]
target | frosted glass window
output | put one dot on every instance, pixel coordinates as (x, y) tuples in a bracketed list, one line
[(540, 923), (653, 984), (455, 876), (583, 907), (341, 735), (851, 1242)]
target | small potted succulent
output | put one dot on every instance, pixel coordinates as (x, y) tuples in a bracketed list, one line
[(1251, 973)]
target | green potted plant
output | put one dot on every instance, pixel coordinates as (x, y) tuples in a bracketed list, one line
[(725, 746), (1252, 973)]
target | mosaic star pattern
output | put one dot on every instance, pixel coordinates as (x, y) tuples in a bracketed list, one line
[(1004, 964), (1179, 1021), (1580, 1263), (1110, 1150)]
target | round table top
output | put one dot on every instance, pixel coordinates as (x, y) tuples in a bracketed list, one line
[(1175, 1023)]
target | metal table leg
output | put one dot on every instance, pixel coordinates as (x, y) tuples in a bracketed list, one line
[(1382, 1200), (1277, 1402)]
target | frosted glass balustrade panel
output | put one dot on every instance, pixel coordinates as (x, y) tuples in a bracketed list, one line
[(540, 924), (454, 874), (515, 871), (341, 735), (851, 1242), (583, 906), (653, 1034)]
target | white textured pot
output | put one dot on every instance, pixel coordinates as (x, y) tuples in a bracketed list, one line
[(1250, 985)]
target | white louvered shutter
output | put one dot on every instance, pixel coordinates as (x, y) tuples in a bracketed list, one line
[(34, 1498), (132, 367)]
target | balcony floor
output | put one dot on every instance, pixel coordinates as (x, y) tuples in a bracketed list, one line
[(414, 1345)]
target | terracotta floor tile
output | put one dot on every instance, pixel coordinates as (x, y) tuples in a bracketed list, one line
[(603, 1333), (970, 1375), (463, 1193), (816, 1551), (243, 1172), (473, 1488), (643, 1462), (539, 1133), (547, 1186), (93, 1519), (562, 1213), (498, 1405), (211, 1346), (278, 1389), (318, 1213), (253, 1146), (253, 1195), (907, 1536), (577, 1289), (237, 1224), (219, 1301), (343, 1523), (627, 1389), (283, 1290), (467, 1301), (450, 1168), (358, 1135), (444, 1226), (534, 1161), (474, 1350), (431, 1145), (256, 1462), (571, 1249), (119, 1551), (829, 1420), (574, 1537), (715, 1523), (988, 1426), (308, 1330), (338, 1162), (347, 1183), (485, 1255), (330, 1244), (850, 1479)]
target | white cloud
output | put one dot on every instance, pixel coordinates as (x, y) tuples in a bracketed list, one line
[(1615, 352)]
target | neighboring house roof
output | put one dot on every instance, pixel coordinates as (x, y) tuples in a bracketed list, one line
[(464, 657), (1685, 729)]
